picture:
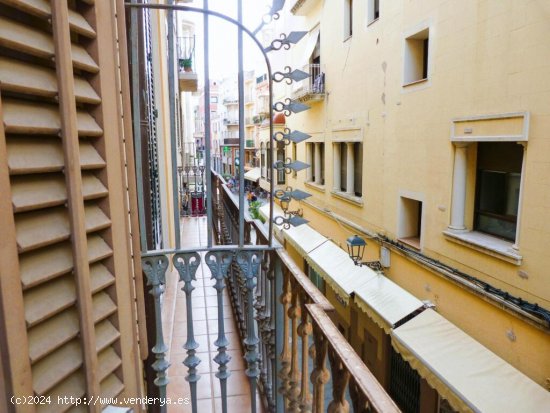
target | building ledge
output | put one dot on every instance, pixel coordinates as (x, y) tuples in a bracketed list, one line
[(315, 186), (308, 96), (347, 197), (188, 81), (302, 7), (486, 244)]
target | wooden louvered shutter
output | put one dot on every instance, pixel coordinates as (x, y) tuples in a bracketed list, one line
[(67, 294)]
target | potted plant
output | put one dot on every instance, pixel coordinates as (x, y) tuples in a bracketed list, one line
[(186, 64)]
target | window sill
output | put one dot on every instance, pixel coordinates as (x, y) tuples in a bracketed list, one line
[(313, 185), (347, 38), (413, 242), (487, 244), (347, 197), (372, 22), (416, 82)]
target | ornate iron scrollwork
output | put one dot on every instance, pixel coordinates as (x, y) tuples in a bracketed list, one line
[(290, 75), (290, 165), (286, 136), (285, 41), (289, 107)]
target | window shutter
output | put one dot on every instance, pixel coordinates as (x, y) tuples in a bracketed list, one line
[(57, 304)]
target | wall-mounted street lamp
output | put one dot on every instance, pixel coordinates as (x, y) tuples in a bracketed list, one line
[(356, 249)]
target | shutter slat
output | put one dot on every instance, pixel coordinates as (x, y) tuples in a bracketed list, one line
[(100, 277), (48, 299), (45, 264), (103, 306), (105, 335), (40, 228), (21, 77), (92, 187), (41, 8), (108, 362), (27, 155), (89, 157), (49, 371), (95, 218), (98, 248), (30, 155), (75, 386), (37, 229), (48, 263), (21, 38), (111, 386), (52, 333), (17, 76), (79, 25), (34, 192), (34, 118)]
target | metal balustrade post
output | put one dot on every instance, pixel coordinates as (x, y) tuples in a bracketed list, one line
[(320, 375), (294, 313), (283, 337), (249, 262), (340, 380), (187, 265), (304, 331), (155, 271), (219, 263)]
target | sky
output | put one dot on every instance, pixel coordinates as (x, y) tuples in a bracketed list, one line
[(223, 36)]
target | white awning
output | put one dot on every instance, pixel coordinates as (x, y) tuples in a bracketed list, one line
[(310, 46), (277, 211), (337, 268), (304, 238), (253, 175), (464, 372), (306, 55), (385, 302)]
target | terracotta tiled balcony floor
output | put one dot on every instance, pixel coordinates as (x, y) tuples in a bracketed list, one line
[(205, 313)]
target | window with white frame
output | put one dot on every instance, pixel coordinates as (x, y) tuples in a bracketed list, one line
[(373, 10), (498, 181), (416, 58), (348, 168), (315, 154), (487, 183)]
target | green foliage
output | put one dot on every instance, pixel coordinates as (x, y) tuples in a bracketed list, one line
[(185, 62), (253, 209)]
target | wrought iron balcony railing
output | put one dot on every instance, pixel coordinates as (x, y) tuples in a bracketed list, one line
[(230, 121), (295, 331), (312, 88)]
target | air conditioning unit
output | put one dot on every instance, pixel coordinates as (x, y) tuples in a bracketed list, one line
[(385, 257)]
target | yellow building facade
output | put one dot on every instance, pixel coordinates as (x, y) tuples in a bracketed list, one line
[(440, 110)]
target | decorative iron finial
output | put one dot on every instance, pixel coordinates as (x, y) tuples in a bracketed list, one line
[(296, 194), (285, 41), (286, 136), (290, 106), (290, 165), (290, 220), (290, 75)]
